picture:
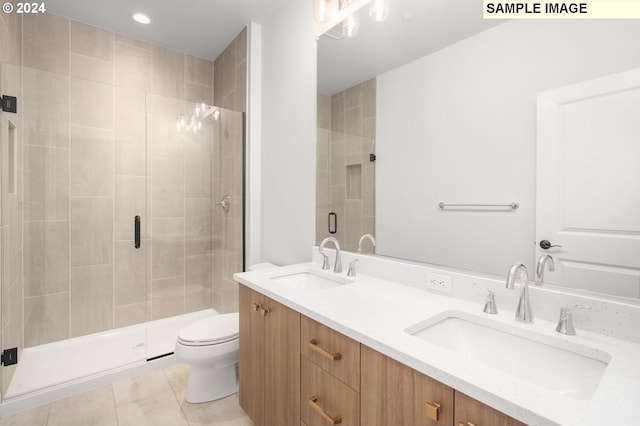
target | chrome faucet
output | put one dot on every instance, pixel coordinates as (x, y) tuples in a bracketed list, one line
[(523, 312), (352, 268), (364, 237), (542, 262), (490, 305), (565, 323), (337, 267)]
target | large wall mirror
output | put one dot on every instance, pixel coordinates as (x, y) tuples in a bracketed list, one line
[(447, 102)]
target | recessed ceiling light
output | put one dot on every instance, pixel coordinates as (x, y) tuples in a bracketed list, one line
[(141, 18), (407, 16)]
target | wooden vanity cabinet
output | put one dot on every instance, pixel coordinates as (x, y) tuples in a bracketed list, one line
[(269, 359), (394, 394), (294, 370), (330, 376), (471, 412)]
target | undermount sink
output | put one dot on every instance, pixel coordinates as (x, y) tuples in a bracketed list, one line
[(563, 367), (312, 280)]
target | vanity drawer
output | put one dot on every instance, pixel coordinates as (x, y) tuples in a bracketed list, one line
[(324, 400), (332, 351)]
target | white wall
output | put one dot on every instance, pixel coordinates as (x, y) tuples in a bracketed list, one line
[(459, 126), (288, 116)]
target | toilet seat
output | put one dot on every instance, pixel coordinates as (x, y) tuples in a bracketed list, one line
[(213, 330)]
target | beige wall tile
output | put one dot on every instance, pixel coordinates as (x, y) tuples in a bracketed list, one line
[(168, 248), (91, 41), (46, 183), (168, 72), (46, 108), (130, 273), (91, 69), (369, 98), (198, 218), (46, 42), (167, 196), (198, 164), (199, 71), (91, 231), (353, 97), (132, 66), (324, 111), (92, 104), (46, 258), (353, 121), (337, 112), (167, 297), (91, 161), (163, 136), (130, 200), (198, 277), (91, 306), (121, 38), (46, 319), (127, 315), (130, 143), (197, 93)]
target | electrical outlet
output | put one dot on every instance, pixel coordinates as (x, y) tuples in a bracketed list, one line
[(441, 283)]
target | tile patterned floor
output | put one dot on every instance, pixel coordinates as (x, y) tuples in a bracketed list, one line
[(152, 399)]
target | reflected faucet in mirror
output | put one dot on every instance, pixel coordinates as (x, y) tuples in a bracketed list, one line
[(370, 238), (543, 260), (523, 312), (337, 267)]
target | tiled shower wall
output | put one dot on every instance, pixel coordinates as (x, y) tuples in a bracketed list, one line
[(90, 157), (345, 174), (230, 92), (11, 244)]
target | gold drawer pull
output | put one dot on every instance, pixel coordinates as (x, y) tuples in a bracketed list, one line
[(256, 307), (313, 402), (465, 424), (313, 344), (432, 410), (264, 311)]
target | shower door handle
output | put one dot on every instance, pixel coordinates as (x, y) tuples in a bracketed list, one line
[(136, 232)]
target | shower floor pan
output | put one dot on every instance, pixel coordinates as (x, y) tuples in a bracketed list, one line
[(56, 370)]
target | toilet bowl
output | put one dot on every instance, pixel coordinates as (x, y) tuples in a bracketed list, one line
[(210, 346)]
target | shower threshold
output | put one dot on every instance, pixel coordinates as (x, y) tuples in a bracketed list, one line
[(57, 370)]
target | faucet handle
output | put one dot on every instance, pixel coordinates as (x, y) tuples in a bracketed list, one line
[(325, 261), (352, 268), (565, 323), (490, 306)]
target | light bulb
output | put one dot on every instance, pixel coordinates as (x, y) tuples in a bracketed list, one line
[(351, 25), (324, 10), (379, 10)]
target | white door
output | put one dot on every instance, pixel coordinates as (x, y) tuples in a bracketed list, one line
[(588, 184)]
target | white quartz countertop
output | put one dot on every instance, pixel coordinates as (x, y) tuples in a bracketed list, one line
[(376, 313)]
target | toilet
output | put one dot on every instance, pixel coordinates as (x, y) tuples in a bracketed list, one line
[(210, 346)]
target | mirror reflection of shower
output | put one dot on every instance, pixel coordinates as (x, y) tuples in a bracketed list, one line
[(193, 121)]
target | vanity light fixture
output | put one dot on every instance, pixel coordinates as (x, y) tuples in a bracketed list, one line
[(324, 10), (351, 25), (141, 18), (379, 10), (193, 121)]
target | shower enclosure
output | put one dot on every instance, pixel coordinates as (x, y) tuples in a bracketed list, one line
[(121, 210)]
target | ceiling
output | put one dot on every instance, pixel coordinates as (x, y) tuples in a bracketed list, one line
[(204, 28)]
